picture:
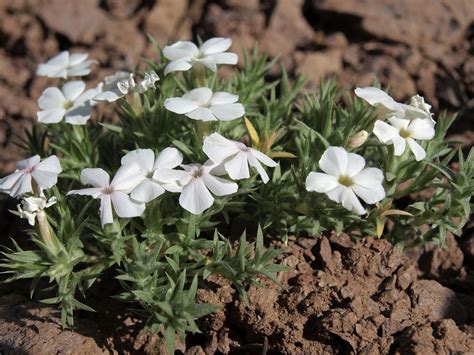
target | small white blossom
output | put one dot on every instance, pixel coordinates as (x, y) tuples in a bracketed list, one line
[(44, 173), (122, 83), (71, 103), (344, 177), (201, 104), (418, 102), (113, 194), (184, 54), (30, 206), (401, 132), (197, 182), (65, 65), (236, 157), (150, 188)]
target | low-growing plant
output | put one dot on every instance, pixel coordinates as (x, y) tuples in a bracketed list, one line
[(107, 194)]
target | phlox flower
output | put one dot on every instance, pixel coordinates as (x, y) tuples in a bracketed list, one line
[(345, 178), (401, 132), (197, 182), (44, 173), (184, 54), (150, 188), (389, 107), (113, 193), (236, 157), (122, 83), (65, 65), (71, 103), (30, 206), (201, 104)]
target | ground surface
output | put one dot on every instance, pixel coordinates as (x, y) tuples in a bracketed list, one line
[(341, 297)]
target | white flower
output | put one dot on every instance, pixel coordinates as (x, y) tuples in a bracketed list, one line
[(30, 206), (44, 173), (236, 157), (184, 54), (113, 193), (201, 104), (121, 83), (401, 132), (150, 188), (71, 103), (388, 106), (345, 177), (196, 181), (65, 65), (418, 102)]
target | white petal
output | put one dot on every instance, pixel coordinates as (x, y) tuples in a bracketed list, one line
[(375, 96), (51, 164), (51, 98), (417, 149), (320, 182), (228, 112), (399, 123), (399, 145), (77, 58), (334, 161), (95, 192), (351, 202), (224, 58), (73, 89), (263, 158), (106, 214), (199, 95), (180, 105), (96, 177), (144, 158), (167, 176), (368, 185), (207, 61), (55, 67), (219, 148), (215, 45), (125, 207), (422, 129), (8, 181), (219, 186), (337, 194), (78, 115), (52, 115), (172, 186), (29, 162), (238, 167), (147, 191), (181, 49), (85, 97), (168, 158), (355, 163), (369, 195), (256, 164), (178, 65), (384, 132), (22, 186), (127, 177), (220, 97), (81, 69), (46, 172), (195, 197), (201, 114), (109, 96)]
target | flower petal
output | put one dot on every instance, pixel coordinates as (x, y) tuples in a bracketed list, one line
[(147, 191), (334, 161), (263, 158), (8, 181), (167, 176), (96, 177), (73, 89), (77, 58), (221, 97), (422, 129), (227, 112), (219, 186), (144, 158), (28, 163), (384, 132), (355, 163), (51, 98), (125, 207), (238, 166), (180, 49), (224, 58), (180, 105), (368, 184), (51, 164), (215, 45), (22, 186), (178, 65), (351, 202), (106, 213), (375, 96), (321, 182), (95, 192), (219, 148), (46, 172), (256, 164), (55, 67), (78, 115), (201, 114), (52, 115), (399, 123), (81, 69), (195, 197), (417, 149), (199, 95), (168, 158), (127, 177)]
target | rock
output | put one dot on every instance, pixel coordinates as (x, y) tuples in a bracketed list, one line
[(164, 20), (122, 9), (315, 66)]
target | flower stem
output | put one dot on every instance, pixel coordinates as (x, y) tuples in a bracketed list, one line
[(43, 224)]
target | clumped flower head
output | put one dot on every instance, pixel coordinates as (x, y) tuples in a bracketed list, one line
[(184, 54), (150, 188), (236, 157), (31, 206), (345, 178), (197, 182), (401, 132), (72, 103), (203, 105), (65, 65), (44, 173), (115, 193)]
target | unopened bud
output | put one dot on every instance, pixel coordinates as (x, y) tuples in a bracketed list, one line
[(356, 140)]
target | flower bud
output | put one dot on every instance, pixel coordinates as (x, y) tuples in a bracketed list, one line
[(356, 140)]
